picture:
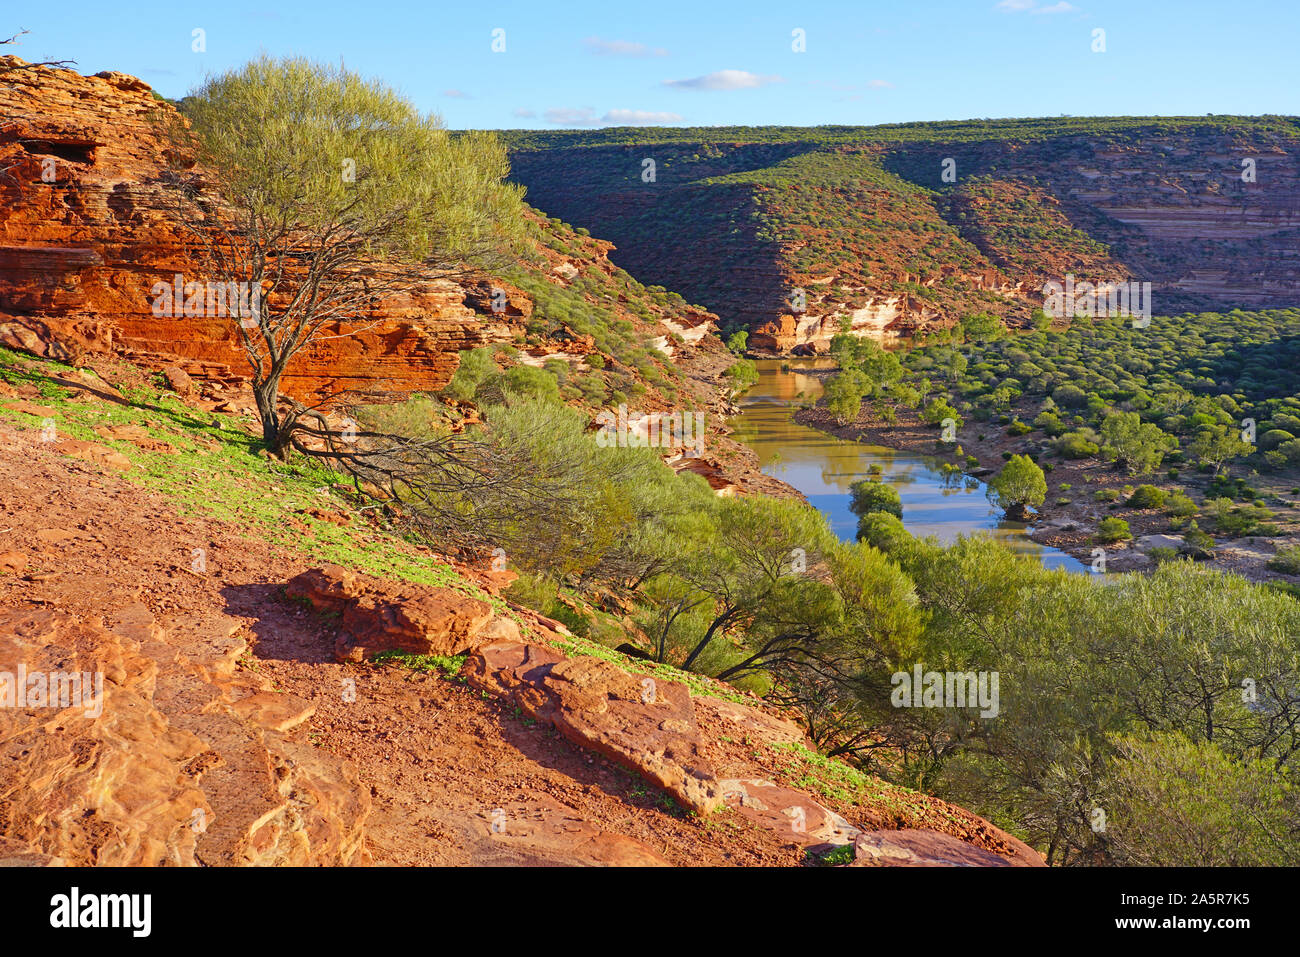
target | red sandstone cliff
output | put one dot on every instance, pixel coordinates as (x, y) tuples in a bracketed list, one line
[(87, 229)]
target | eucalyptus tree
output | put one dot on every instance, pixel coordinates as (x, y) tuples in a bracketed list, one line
[(320, 194)]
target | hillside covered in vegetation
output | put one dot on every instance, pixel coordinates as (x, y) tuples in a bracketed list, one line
[(792, 233)]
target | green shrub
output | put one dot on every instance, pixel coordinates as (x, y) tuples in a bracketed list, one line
[(1287, 560), (883, 531), (529, 382), (1050, 423), (1273, 438), (936, 410), (866, 496), (1070, 396), (743, 373), (1171, 800), (475, 365), (1148, 496), (1077, 445), (1197, 540), (1020, 484), (1113, 529), (1236, 520)]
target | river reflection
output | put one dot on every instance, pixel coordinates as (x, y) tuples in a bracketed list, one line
[(823, 467)]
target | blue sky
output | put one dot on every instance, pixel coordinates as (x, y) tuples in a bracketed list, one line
[(620, 62)]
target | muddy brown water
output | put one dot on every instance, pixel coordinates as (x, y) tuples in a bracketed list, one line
[(823, 466)]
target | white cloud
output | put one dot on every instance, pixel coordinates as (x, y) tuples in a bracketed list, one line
[(568, 116), (724, 80), (880, 85), (586, 116), (639, 118), (621, 48), (1031, 6), (523, 114)]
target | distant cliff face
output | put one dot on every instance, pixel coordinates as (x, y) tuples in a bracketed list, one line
[(796, 233), (88, 230)]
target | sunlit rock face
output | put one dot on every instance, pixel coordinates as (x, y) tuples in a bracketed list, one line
[(87, 230)]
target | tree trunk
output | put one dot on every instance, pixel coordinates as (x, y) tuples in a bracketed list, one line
[(273, 433), (716, 624)]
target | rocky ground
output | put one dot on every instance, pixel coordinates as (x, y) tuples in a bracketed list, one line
[(242, 724)]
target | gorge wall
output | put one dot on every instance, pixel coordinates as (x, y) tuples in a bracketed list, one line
[(793, 232)]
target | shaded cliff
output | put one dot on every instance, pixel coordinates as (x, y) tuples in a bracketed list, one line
[(792, 232)]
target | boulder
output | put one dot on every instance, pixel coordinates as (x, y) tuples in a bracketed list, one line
[(644, 724), (96, 454), (788, 812), (12, 563), (917, 848), (1148, 542), (178, 380), (376, 616), (540, 831)]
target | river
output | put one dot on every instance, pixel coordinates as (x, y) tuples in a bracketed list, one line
[(822, 467)]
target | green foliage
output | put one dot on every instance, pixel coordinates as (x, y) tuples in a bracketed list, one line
[(1197, 540), (473, 368), (1172, 801), (1113, 529), (883, 531), (738, 341), (279, 135), (982, 326), (866, 496), (1050, 423), (843, 396), (1236, 520), (1050, 756), (1080, 444), (936, 410), (1069, 396), (743, 373), (446, 665), (1133, 444), (1273, 438), (1020, 484), (1286, 561), (1148, 496)]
